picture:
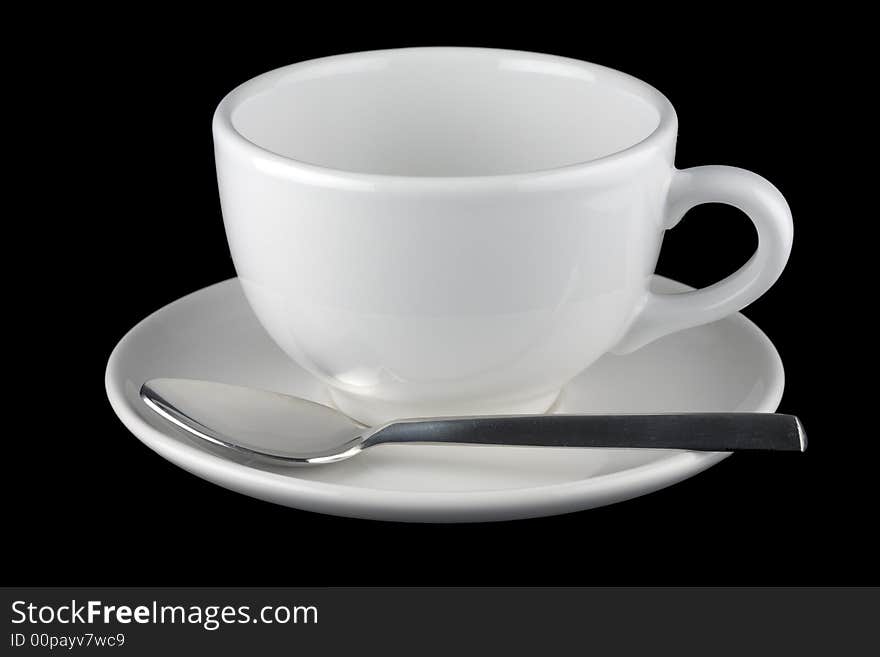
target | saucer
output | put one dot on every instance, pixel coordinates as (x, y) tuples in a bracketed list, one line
[(212, 334)]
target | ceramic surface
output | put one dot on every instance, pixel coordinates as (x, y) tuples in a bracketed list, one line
[(212, 334), (457, 230)]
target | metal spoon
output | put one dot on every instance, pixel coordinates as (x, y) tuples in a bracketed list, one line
[(286, 430)]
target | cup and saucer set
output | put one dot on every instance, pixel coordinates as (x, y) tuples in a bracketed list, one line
[(429, 232)]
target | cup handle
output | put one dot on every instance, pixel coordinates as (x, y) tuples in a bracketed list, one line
[(662, 314)]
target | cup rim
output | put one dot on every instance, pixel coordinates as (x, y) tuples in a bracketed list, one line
[(224, 128)]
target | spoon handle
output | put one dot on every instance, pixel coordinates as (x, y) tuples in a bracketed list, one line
[(709, 432)]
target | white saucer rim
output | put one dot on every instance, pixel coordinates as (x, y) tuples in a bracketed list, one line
[(337, 498)]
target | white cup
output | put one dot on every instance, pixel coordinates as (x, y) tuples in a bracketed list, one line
[(451, 231)]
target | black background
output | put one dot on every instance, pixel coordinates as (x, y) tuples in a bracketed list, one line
[(126, 218)]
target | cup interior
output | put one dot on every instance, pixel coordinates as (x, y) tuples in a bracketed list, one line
[(444, 112)]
